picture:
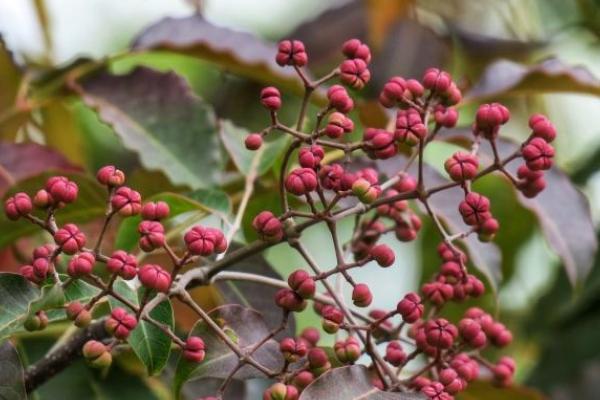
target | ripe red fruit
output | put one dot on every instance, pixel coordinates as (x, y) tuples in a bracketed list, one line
[(348, 350), (291, 52), (17, 206), (270, 98), (355, 73), (120, 323), (152, 235), (339, 99), (465, 366), (301, 181), (43, 199), (110, 176), (332, 318), (337, 125), (311, 336), (445, 116), (462, 166), (152, 276), (538, 154), (470, 330), (303, 379), (311, 156), (410, 308), (289, 300), (504, 371), (62, 189), (253, 141), (77, 313), (440, 333), (436, 391), (409, 127), (70, 239), (194, 349), (383, 255), (394, 354), (361, 295), (407, 227), (437, 292), (126, 201), (542, 127), (498, 334), (488, 119), (452, 382), (205, 241), (293, 349), (532, 182), (96, 354), (406, 183), (281, 391), (392, 91), (81, 264), (488, 229), (379, 143), (354, 48), (155, 210), (302, 283), (365, 191), (122, 264), (475, 209), (318, 362), (331, 176), (268, 226), (437, 81)]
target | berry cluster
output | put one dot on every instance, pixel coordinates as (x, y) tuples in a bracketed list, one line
[(327, 191)]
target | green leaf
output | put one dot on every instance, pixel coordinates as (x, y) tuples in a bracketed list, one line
[(90, 204), (11, 118), (350, 383), (12, 379), (157, 115), (238, 52), (246, 327), (214, 199), (127, 235), (52, 297), (149, 343), (233, 139)]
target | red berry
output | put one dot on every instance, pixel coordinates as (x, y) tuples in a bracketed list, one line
[(289, 300), (268, 226), (383, 255), (301, 181), (122, 264), (436, 80), (409, 127), (538, 154), (253, 141), (438, 292), (488, 119), (62, 189), (361, 295), (462, 166), (440, 333), (110, 176), (281, 391), (504, 371), (43, 199), (205, 241), (354, 48), (155, 210), (339, 99), (293, 349), (410, 308), (394, 354), (436, 391), (337, 125), (348, 350), (407, 227), (542, 127), (77, 313), (365, 191), (406, 183), (355, 73), (475, 209), (96, 354), (303, 379), (310, 157), (126, 201), (291, 52), (446, 116), (318, 362), (452, 382), (120, 323), (467, 368), (393, 91), (81, 264), (302, 283), (70, 239), (332, 318), (331, 176), (194, 349), (487, 229), (17, 206), (471, 332), (152, 276), (270, 98), (311, 335), (152, 235), (379, 143)]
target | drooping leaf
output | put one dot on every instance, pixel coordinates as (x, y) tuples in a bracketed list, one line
[(12, 380), (562, 211), (157, 115), (239, 52), (350, 383), (486, 390), (485, 256), (90, 204), (253, 295), (233, 139), (246, 328), (19, 161), (149, 342), (552, 75)]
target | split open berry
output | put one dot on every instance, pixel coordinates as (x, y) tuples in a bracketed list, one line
[(331, 176)]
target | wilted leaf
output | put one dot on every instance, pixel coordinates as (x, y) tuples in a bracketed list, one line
[(485, 256), (254, 295), (157, 115), (19, 161), (350, 383), (247, 328), (90, 204), (151, 344), (562, 210), (505, 77), (12, 381), (239, 52), (233, 139), (479, 390)]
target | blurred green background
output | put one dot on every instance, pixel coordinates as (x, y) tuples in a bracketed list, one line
[(533, 55)]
